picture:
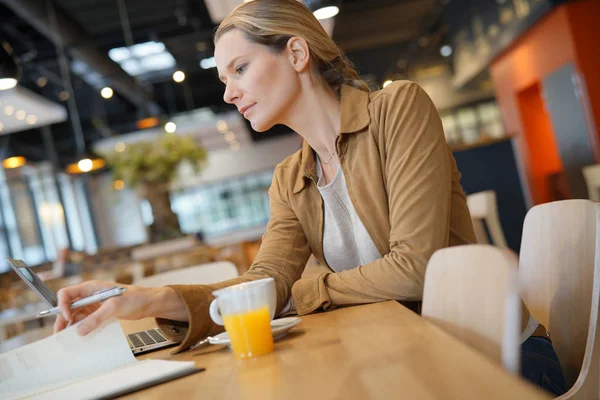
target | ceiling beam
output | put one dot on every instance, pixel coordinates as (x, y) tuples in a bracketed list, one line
[(82, 46)]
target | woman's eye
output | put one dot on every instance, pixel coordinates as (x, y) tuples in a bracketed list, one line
[(240, 69)]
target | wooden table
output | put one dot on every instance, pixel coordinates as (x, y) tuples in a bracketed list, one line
[(377, 351)]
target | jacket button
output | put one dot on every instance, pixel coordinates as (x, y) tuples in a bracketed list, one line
[(174, 330)]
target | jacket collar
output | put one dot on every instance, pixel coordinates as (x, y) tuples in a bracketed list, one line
[(354, 118)]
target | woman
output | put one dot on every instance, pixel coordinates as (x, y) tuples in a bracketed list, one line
[(372, 194)]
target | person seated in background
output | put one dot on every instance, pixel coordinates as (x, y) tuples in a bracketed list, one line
[(373, 192)]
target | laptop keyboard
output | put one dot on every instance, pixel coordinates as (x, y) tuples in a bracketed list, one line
[(145, 338)]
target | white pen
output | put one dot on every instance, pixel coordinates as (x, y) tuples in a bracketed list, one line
[(95, 298)]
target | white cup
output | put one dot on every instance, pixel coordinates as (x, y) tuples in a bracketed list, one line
[(242, 298)]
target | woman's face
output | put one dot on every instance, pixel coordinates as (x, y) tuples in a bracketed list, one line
[(260, 83)]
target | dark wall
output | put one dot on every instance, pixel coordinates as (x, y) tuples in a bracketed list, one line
[(494, 167)]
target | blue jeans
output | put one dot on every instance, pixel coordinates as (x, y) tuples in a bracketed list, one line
[(539, 365)]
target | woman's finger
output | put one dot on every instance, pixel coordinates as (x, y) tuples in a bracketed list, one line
[(107, 310), (60, 323), (68, 295)]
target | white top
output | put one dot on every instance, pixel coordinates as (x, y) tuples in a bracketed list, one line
[(346, 242)]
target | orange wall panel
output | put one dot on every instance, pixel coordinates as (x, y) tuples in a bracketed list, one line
[(584, 20), (568, 34), (542, 149)]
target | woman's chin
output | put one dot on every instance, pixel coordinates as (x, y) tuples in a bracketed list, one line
[(260, 126)]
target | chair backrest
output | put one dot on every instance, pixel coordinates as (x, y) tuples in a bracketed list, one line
[(199, 274), (484, 209), (591, 173), (471, 292), (559, 283)]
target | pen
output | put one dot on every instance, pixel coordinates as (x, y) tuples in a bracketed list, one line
[(95, 298)]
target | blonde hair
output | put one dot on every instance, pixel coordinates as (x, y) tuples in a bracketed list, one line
[(273, 22)]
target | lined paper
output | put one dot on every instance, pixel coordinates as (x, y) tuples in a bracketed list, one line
[(62, 359)]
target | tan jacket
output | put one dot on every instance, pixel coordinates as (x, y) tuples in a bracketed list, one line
[(404, 184)]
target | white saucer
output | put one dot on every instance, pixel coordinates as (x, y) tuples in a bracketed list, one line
[(279, 327)]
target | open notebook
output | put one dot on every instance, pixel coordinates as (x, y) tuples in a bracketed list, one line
[(68, 366)]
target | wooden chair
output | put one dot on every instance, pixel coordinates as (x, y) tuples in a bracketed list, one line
[(484, 210), (559, 282), (591, 173), (199, 274), (471, 292)]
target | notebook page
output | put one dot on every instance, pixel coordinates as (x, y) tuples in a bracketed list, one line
[(121, 381), (63, 358)]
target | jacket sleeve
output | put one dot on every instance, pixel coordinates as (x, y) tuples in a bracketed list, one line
[(418, 177), (283, 254)]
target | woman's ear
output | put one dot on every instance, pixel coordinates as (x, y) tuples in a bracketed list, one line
[(298, 53)]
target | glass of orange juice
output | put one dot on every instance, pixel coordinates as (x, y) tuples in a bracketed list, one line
[(246, 311)]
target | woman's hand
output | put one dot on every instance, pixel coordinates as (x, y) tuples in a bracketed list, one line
[(135, 303)]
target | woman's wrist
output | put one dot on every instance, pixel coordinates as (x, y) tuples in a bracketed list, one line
[(165, 303)]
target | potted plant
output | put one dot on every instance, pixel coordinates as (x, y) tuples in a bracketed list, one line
[(150, 167)]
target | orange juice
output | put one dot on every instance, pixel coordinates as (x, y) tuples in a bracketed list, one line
[(250, 332)]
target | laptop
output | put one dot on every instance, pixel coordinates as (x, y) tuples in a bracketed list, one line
[(139, 342)]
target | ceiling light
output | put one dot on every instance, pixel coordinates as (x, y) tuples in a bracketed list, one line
[(119, 185), (143, 58), (201, 46), (7, 83), (85, 165), (170, 127), (106, 92), (230, 136), (222, 126), (326, 12), (64, 95), (31, 119), (386, 83), (42, 81), (10, 70), (178, 76), (208, 63), (446, 51), (235, 146), (120, 147), (20, 115), (9, 110), (14, 162)]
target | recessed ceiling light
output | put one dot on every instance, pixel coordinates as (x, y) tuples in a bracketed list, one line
[(446, 51), (222, 126), (85, 165), (326, 12), (64, 95), (230, 136), (42, 81), (201, 46), (120, 147), (106, 92), (119, 185), (31, 119), (170, 127), (7, 83), (208, 63), (9, 110), (178, 76), (20, 115)]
